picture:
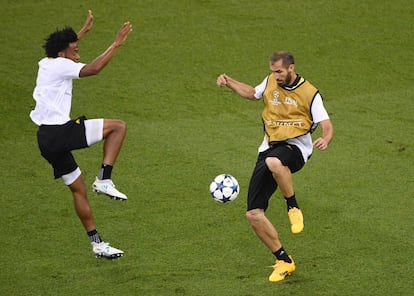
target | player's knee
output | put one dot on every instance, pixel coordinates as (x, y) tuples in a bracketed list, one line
[(118, 127), (114, 126), (121, 125), (78, 187), (274, 164), (254, 216)]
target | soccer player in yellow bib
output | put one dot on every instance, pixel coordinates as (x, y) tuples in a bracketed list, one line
[(293, 108)]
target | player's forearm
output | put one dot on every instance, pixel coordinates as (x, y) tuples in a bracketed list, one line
[(240, 88), (82, 33), (100, 62), (327, 131)]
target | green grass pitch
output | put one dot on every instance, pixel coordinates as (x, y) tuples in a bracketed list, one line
[(357, 197)]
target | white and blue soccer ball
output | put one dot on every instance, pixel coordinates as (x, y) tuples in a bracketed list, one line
[(224, 188)]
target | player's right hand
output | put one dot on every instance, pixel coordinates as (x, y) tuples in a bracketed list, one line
[(221, 80), (122, 34)]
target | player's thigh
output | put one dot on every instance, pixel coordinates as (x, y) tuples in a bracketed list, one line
[(288, 155), (261, 186), (63, 164), (94, 130)]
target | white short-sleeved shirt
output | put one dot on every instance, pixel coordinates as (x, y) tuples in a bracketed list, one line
[(304, 143), (53, 91)]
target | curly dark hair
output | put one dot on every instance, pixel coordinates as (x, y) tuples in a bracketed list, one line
[(58, 41)]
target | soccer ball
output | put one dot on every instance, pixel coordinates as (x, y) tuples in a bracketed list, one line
[(224, 188)]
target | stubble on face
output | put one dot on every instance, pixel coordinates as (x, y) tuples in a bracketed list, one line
[(282, 74), (286, 81)]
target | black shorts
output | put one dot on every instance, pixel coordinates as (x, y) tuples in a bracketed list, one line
[(57, 141), (262, 184)]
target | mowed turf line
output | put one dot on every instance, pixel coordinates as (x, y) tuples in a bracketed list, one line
[(357, 197)]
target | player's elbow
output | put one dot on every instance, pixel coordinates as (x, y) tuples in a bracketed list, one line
[(249, 94)]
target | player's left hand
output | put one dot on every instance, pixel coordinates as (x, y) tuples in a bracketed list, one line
[(320, 144)]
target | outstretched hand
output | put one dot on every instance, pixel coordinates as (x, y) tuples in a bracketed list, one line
[(102, 60), (89, 21), (87, 26), (221, 80), (122, 34)]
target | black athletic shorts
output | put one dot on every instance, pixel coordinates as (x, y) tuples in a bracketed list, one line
[(57, 141), (262, 184)]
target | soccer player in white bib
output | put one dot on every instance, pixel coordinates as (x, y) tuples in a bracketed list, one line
[(58, 134), (293, 108)]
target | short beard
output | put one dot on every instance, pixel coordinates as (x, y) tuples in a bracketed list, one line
[(286, 82)]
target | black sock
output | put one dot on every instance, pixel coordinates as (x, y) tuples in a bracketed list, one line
[(106, 171), (291, 202), (282, 255), (94, 236)]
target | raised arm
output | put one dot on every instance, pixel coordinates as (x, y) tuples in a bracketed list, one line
[(101, 61), (240, 88), (87, 26), (327, 135)]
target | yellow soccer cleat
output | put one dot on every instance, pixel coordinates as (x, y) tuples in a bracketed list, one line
[(296, 220), (282, 269)]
